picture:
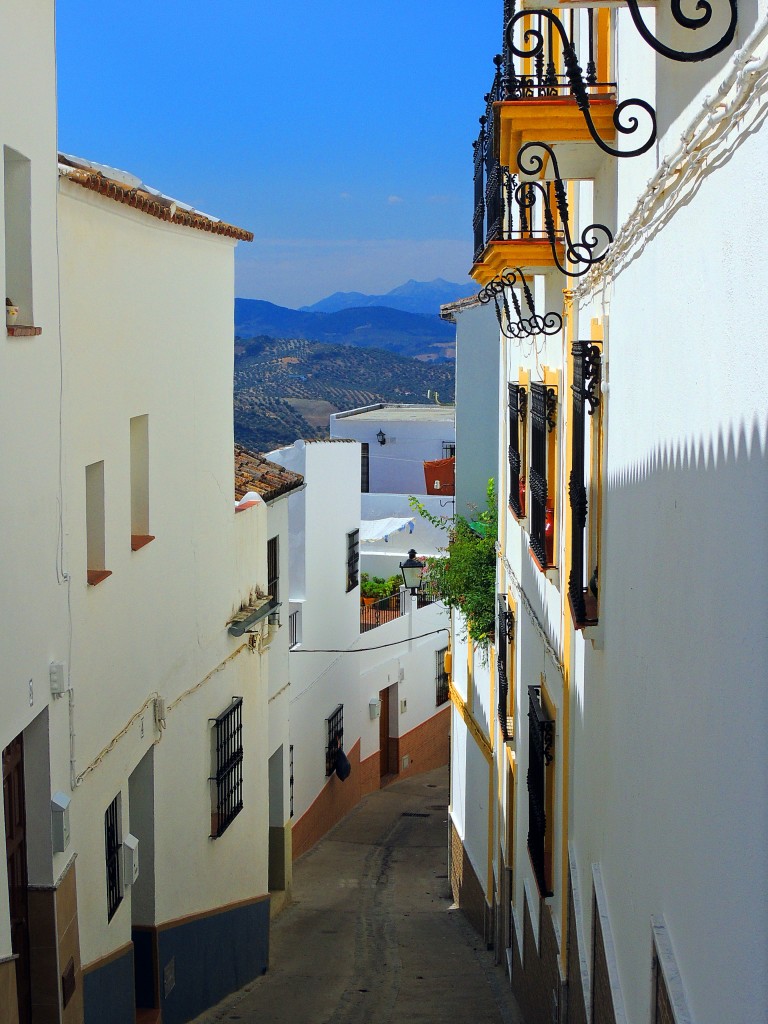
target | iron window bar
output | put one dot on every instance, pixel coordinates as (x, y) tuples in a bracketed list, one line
[(353, 559), (293, 629), (229, 767), (290, 777), (441, 677), (449, 449), (273, 571), (543, 421), (334, 731), (505, 633), (517, 410), (112, 847), (541, 734), (585, 394), (525, 326)]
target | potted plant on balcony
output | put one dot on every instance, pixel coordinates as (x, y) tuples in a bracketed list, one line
[(372, 588)]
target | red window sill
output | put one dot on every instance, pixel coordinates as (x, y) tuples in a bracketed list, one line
[(139, 540), (590, 611), (24, 332), (96, 576)]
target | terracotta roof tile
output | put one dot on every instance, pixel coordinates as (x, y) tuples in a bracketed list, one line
[(255, 473), (133, 192)]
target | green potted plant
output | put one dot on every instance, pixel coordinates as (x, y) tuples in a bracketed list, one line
[(372, 588)]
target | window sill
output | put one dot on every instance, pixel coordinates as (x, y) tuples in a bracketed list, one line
[(139, 540), (545, 569), (96, 576), (522, 519), (24, 332)]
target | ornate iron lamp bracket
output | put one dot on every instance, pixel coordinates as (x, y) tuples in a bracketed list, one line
[(702, 19), (496, 290), (530, 161), (577, 84)]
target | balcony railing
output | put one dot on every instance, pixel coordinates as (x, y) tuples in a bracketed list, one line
[(388, 608), (541, 54)]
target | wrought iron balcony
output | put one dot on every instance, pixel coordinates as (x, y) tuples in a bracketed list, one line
[(510, 230)]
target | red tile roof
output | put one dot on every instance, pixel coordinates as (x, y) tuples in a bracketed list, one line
[(135, 193), (255, 473)]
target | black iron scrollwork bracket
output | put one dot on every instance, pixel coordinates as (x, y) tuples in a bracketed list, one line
[(591, 248), (700, 21), (524, 326), (535, 39)]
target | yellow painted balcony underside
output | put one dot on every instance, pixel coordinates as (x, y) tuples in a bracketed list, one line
[(551, 120), (533, 255)]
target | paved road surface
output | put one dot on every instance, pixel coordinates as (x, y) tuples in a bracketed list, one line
[(370, 937)]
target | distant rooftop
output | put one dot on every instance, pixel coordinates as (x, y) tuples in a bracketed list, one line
[(402, 413), (123, 187), (254, 472)]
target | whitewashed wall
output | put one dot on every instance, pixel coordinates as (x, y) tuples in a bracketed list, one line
[(320, 517), (414, 434), (33, 603), (383, 558), (158, 624)]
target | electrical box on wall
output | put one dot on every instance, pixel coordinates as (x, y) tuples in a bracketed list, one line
[(58, 677), (60, 822), (403, 705), (374, 707), (130, 858)]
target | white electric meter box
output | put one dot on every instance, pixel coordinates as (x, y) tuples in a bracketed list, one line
[(374, 707), (130, 858), (60, 821)]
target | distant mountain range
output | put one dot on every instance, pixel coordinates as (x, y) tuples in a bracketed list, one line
[(416, 335), (421, 297)]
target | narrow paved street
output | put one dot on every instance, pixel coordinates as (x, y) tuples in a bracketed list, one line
[(370, 935)]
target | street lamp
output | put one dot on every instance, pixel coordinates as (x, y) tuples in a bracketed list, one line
[(381, 437), (411, 569)]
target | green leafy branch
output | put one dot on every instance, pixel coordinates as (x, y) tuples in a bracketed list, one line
[(466, 578)]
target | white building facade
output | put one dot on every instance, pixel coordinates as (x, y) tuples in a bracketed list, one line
[(618, 860)]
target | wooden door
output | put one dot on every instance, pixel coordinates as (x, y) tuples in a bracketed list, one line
[(384, 734), (16, 855)]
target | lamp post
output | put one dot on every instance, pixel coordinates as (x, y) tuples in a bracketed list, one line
[(411, 569)]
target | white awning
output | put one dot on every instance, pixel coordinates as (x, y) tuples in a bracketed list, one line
[(379, 529)]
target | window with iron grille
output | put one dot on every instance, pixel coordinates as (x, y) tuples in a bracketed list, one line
[(517, 410), (290, 778), (441, 677), (112, 847), (273, 570), (585, 392), (334, 737), (365, 460), (353, 559), (449, 450), (541, 734), (227, 783), (505, 632), (541, 509), (294, 629)]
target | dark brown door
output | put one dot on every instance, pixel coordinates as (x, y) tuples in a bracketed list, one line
[(16, 854), (384, 734)]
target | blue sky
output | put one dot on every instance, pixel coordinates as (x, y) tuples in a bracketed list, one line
[(340, 134)]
